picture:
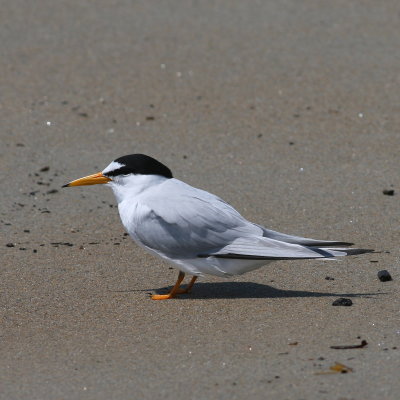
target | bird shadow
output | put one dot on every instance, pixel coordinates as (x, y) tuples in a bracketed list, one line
[(250, 290)]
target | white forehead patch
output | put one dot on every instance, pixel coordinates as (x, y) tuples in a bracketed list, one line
[(112, 167)]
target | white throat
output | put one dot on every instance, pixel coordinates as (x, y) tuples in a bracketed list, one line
[(130, 186)]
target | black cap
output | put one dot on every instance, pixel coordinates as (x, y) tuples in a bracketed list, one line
[(140, 164)]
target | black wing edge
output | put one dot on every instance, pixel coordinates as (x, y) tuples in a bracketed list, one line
[(354, 252), (329, 244)]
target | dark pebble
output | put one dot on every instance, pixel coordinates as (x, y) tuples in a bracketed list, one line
[(34, 250), (342, 302), (10, 245), (20, 145), (329, 278), (150, 118), (291, 143), (44, 169), (83, 114), (384, 276), (26, 230), (388, 192), (52, 191), (22, 248)]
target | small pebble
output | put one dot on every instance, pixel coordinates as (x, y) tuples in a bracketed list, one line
[(342, 302), (329, 278), (384, 276), (388, 192), (44, 169), (10, 245)]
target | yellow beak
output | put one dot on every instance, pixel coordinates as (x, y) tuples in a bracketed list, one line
[(94, 179)]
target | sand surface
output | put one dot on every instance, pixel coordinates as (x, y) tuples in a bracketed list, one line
[(289, 110)]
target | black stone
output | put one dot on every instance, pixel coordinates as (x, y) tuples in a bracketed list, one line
[(384, 276), (342, 302), (10, 245), (388, 192)]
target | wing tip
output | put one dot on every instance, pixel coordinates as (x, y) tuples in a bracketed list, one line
[(353, 252)]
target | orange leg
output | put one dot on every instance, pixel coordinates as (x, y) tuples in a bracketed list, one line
[(174, 290), (187, 290)]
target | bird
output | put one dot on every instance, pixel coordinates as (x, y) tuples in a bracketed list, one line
[(194, 230)]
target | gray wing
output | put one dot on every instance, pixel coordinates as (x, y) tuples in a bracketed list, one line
[(186, 222), (300, 240), (269, 249)]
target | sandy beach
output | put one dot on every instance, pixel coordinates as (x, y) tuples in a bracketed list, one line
[(288, 110)]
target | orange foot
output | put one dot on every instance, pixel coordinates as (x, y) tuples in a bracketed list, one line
[(162, 296), (189, 287), (175, 290)]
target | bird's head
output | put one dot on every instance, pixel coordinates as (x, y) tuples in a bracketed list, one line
[(126, 170)]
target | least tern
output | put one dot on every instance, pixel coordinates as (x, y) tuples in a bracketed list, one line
[(194, 230)]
